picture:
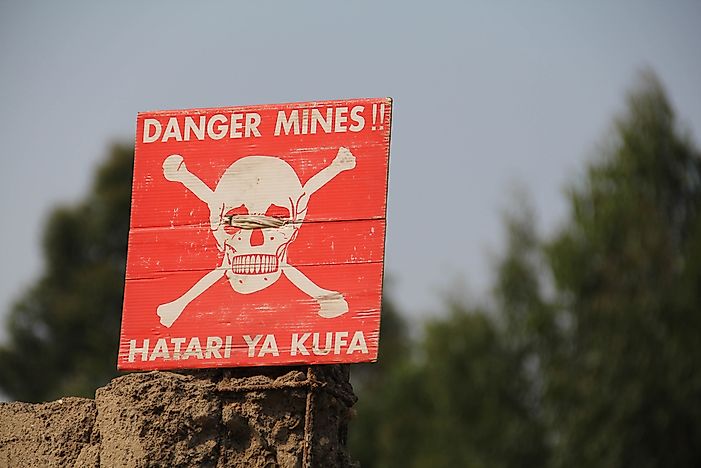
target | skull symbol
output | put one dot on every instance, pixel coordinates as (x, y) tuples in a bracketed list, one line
[(258, 186), (256, 211)]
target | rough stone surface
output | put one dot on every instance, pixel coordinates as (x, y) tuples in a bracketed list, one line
[(212, 418), (49, 434), (172, 418)]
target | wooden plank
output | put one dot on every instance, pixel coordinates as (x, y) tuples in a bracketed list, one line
[(257, 233), (195, 248), (281, 310)]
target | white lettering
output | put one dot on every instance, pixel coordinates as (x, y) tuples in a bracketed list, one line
[(305, 121), (357, 119), (287, 124), (160, 350), (236, 126), (269, 346), (172, 130), (340, 341), (221, 129), (151, 124), (133, 350), (194, 349), (190, 127), (317, 118), (357, 344), (298, 344), (212, 349), (252, 122), (341, 119), (227, 348), (252, 344), (327, 347), (171, 348), (178, 342)]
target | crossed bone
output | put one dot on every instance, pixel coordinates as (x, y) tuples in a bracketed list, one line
[(331, 303)]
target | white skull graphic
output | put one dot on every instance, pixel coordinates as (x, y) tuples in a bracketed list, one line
[(256, 210), (256, 186)]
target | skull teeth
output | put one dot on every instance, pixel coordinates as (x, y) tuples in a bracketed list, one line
[(254, 264)]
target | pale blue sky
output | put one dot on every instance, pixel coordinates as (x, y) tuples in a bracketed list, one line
[(488, 95)]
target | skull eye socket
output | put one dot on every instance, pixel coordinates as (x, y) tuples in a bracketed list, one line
[(276, 211), (239, 210)]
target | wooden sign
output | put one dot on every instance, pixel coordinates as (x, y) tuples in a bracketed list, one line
[(257, 236)]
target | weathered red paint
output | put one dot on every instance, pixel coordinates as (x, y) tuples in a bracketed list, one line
[(338, 247)]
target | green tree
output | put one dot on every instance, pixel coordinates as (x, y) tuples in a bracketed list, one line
[(461, 400), (369, 382), (587, 354), (478, 389), (63, 331), (621, 372)]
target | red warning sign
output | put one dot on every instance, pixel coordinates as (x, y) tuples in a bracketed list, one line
[(257, 236)]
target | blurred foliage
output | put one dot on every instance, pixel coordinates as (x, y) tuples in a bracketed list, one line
[(623, 386), (586, 354), (589, 350), (462, 403), (63, 332)]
